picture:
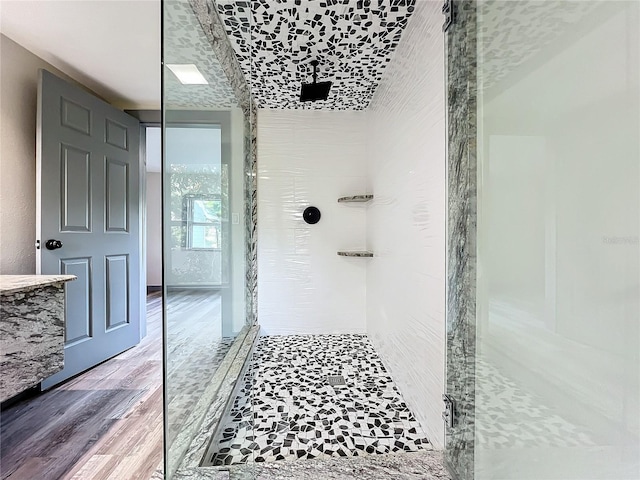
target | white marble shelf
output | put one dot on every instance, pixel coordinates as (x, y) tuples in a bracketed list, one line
[(355, 199), (356, 254), (17, 283)]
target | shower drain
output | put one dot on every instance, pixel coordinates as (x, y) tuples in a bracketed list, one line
[(336, 380)]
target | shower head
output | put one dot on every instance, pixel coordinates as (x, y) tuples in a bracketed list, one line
[(312, 92)]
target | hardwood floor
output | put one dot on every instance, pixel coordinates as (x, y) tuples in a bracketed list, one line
[(195, 350), (103, 424)]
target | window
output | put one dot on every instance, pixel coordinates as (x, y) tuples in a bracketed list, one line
[(203, 215), (199, 206)]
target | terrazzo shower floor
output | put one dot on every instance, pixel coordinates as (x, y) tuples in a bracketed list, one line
[(286, 408)]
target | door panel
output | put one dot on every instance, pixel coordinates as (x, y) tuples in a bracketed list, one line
[(75, 182), (77, 299), (88, 187), (117, 197), (75, 116), (116, 135), (117, 290)]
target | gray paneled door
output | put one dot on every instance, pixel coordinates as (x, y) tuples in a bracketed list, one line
[(87, 188)]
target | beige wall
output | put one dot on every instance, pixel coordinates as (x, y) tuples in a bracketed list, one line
[(18, 96)]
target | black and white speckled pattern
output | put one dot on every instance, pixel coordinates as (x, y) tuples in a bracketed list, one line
[(531, 27), (186, 43), (287, 410), (353, 40), (219, 45), (510, 416)]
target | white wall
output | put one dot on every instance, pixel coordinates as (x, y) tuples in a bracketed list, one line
[(406, 221), (310, 158), (154, 229)]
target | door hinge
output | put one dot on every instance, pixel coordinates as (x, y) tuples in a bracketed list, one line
[(449, 413), (449, 12), (37, 244)]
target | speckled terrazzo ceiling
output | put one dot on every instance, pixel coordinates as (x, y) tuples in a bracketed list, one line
[(186, 43), (353, 40)]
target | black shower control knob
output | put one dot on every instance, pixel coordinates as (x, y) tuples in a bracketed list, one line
[(311, 215), (53, 244)]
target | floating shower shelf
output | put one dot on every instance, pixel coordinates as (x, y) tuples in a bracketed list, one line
[(355, 199), (356, 254)]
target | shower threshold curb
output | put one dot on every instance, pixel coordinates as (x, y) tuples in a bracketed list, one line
[(423, 465), (200, 441)]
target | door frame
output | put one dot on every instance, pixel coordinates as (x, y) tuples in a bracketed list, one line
[(196, 118), (147, 118), (461, 125)]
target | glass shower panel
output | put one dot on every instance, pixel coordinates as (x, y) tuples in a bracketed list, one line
[(203, 233), (558, 338)]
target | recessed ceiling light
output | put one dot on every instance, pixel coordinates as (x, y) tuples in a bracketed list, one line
[(188, 74)]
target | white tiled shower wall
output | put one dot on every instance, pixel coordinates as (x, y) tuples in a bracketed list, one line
[(310, 158), (406, 222), (395, 150)]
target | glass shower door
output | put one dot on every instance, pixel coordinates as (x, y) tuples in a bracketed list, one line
[(558, 333), (204, 273), (543, 347), (194, 334)]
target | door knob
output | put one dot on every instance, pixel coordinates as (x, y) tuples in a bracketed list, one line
[(53, 244)]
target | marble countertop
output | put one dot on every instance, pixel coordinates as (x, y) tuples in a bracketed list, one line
[(22, 283)]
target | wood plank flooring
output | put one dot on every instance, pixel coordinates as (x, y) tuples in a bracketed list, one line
[(103, 424), (196, 348)]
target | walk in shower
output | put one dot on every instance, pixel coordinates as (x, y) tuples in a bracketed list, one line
[(319, 382), (477, 239)]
